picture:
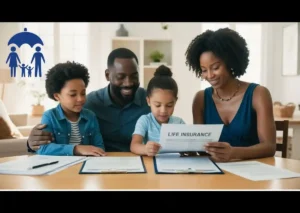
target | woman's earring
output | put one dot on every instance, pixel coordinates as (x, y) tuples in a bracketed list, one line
[(232, 71)]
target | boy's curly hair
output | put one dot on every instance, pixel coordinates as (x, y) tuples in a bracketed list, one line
[(62, 72)]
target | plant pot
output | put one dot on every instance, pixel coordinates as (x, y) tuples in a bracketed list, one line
[(37, 110)]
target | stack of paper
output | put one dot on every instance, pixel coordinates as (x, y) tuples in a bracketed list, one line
[(39, 165), (257, 171)]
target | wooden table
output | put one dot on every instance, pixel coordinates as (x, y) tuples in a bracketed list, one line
[(70, 179)]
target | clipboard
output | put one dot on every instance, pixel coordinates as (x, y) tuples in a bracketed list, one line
[(113, 170), (216, 170)]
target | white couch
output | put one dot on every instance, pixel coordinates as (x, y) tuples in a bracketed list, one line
[(18, 124)]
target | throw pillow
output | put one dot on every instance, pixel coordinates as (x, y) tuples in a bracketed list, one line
[(5, 132), (4, 114)]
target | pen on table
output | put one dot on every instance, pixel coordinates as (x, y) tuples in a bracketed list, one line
[(44, 164)]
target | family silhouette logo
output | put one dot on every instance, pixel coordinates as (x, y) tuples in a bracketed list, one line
[(13, 60)]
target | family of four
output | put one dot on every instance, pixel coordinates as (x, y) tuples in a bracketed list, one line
[(123, 117)]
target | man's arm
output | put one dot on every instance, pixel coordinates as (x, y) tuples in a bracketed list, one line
[(38, 136), (97, 139)]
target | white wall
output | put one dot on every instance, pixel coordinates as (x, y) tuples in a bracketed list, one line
[(284, 88), (100, 46)]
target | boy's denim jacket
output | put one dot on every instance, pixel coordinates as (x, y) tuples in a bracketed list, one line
[(60, 128)]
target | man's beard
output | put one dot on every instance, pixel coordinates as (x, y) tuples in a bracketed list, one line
[(125, 99)]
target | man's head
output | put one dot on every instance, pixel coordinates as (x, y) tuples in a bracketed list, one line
[(123, 74)]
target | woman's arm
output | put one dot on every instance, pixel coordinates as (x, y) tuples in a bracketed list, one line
[(97, 139), (198, 108), (263, 105)]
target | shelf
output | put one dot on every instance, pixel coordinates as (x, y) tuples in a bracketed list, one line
[(154, 66), (143, 47), (163, 46)]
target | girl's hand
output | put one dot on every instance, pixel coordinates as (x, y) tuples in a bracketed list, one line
[(219, 151), (152, 148)]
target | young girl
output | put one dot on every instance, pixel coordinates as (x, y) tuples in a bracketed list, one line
[(75, 129), (161, 97)]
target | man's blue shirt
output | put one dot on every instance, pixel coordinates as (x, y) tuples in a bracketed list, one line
[(117, 123)]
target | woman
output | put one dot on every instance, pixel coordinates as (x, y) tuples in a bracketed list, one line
[(244, 108)]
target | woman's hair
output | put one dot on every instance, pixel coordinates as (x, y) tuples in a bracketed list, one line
[(225, 44), (58, 75), (162, 80)]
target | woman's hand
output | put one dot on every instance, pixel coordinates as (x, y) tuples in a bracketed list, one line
[(219, 151)]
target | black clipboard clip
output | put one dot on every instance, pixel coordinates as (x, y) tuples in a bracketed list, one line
[(113, 172), (194, 154), (189, 171), (108, 171)]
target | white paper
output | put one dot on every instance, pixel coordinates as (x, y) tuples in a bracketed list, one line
[(173, 163), (257, 171), (188, 137), (112, 164), (23, 166)]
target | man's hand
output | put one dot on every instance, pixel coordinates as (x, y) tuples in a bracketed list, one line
[(88, 150), (39, 137), (152, 148)]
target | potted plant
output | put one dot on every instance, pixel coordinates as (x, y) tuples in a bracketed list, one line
[(37, 108), (156, 58), (36, 92)]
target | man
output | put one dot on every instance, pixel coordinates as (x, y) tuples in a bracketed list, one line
[(117, 106)]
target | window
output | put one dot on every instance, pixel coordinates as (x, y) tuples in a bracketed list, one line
[(62, 42), (46, 32), (73, 42), (252, 33)]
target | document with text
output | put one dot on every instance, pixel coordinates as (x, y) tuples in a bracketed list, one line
[(188, 137), (111, 164), (39, 164), (257, 171), (173, 163)]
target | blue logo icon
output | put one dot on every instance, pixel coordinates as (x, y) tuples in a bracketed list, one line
[(14, 61)]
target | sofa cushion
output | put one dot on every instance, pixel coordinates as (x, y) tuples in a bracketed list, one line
[(4, 115)]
